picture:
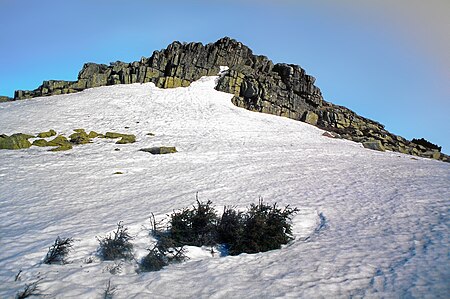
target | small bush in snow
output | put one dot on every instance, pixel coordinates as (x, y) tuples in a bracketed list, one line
[(196, 226), (109, 291), (155, 260), (166, 251), (230, 226), (116, 246), (262, 228), (31, 289), (58, 251)]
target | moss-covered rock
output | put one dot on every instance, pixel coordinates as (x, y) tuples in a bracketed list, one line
[(58, 141), (159, 150), (124, 138), (40, 142), (80, 137), (93, 134), (127, 139), (374, 145), (15, 141), (113, 135), (47, 134), (79, 130), (310, 118)]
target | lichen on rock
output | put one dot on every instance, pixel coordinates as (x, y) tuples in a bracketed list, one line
[(159, 150), (47, 134), (58, 141), (40, 142), (15, 141)]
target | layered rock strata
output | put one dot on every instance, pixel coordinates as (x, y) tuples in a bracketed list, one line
[(255, 81)]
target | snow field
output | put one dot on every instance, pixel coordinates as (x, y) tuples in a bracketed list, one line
[(371, 224)]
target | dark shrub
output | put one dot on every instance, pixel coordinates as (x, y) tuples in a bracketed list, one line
[(117, 246), (57, 252), (153, 261), (109, 291), (196, 226), (31, 289), (231, 226), (166, 250), (261, 229)]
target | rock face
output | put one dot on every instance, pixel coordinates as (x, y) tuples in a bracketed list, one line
[(5, 99), (255, 81)]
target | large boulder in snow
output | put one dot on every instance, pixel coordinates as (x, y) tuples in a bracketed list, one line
[(15, 141), (47, 134), (40, 142), (159, 150), (79, 137), (58, 141), (374, 145), (5, 99), (124, 138)]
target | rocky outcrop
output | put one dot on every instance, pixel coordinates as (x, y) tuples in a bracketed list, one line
[(255, 81), (5, 99)]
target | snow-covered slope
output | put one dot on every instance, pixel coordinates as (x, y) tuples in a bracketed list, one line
[(371, 224)]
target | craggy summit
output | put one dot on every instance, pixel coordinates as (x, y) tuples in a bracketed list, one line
[(256, 82)]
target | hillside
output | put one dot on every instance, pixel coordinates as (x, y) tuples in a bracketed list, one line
[(372, 224), (256, 82)]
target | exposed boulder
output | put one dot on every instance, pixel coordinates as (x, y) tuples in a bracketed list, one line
[(5, 99), (15, 141), (127, 138), (113, 135), (310, 118), (80, 137), (93, 134), (374, 145), (40, 142), (160, 150), (58, 141), (124, 138), (46, 134)]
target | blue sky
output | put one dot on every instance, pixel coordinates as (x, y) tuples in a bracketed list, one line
[(388, 61)]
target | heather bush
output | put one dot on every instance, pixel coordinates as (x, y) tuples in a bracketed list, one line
[(196, 226), (262, 228), (116, 246), (58, 251)]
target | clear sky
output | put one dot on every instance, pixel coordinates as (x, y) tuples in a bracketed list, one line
[(386, 60)]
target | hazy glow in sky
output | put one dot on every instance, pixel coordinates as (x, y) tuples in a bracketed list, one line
[(387, 60)]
